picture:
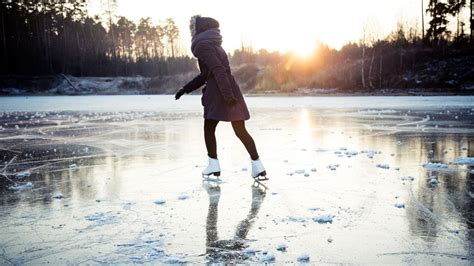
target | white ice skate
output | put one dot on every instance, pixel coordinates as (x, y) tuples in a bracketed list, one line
[(213, 168), (258, 171)]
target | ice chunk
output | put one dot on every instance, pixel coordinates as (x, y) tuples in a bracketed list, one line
[(432, 166), (351, 153), (370, 154), (324, 218), (250, 251), (400, 205), (303, 258), (407, 178), (173, 260), (100, 218), (19, 188), (433, 181), (267, 258), (383, 166), (160, 201), (57, 195), (23, 174), (299, 171), (281, 247), (296, 219), (463, 161), (183, 196)]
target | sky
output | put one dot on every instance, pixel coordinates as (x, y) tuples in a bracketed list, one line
[(280, 25)]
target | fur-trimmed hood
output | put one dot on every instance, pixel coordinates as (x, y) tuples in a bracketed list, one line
[(200, 24)]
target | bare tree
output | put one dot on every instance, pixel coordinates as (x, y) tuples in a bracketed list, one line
[(172, 33)]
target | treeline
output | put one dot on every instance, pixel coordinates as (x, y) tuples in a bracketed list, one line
[(51, 37), (406, 58)]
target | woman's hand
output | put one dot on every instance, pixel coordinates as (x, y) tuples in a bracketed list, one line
[(179, 93)]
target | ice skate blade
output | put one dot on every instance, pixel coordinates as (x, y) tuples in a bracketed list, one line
[(258, 184), (208, 178), (216, 174)]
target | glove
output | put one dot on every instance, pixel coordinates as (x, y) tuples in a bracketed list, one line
[(179, 93), (231, 101)]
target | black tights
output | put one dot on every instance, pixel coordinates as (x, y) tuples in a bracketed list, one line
[(240, 132)]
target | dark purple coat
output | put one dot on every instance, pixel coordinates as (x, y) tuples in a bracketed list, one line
[(221, 88)]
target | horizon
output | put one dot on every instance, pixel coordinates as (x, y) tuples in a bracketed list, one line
[(281, 28)]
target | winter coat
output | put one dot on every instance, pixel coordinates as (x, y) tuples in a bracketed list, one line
[(221, 88)]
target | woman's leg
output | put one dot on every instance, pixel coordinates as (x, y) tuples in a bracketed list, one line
[(244, 136), (210, 137)]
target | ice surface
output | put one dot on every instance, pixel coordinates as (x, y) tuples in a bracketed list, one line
[(112, 157)]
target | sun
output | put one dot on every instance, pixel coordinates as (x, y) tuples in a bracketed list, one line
[(303, 48)]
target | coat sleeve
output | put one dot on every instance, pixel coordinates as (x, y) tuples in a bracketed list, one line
[(195, 83), (208, 55)]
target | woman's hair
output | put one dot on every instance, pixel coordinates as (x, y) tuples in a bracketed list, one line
[(192, 25)]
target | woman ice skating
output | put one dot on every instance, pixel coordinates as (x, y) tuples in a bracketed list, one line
[(222, 99)]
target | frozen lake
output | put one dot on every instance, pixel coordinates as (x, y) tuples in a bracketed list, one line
[(117, 179)]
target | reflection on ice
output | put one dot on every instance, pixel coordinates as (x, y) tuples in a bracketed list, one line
[(373, 180)]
